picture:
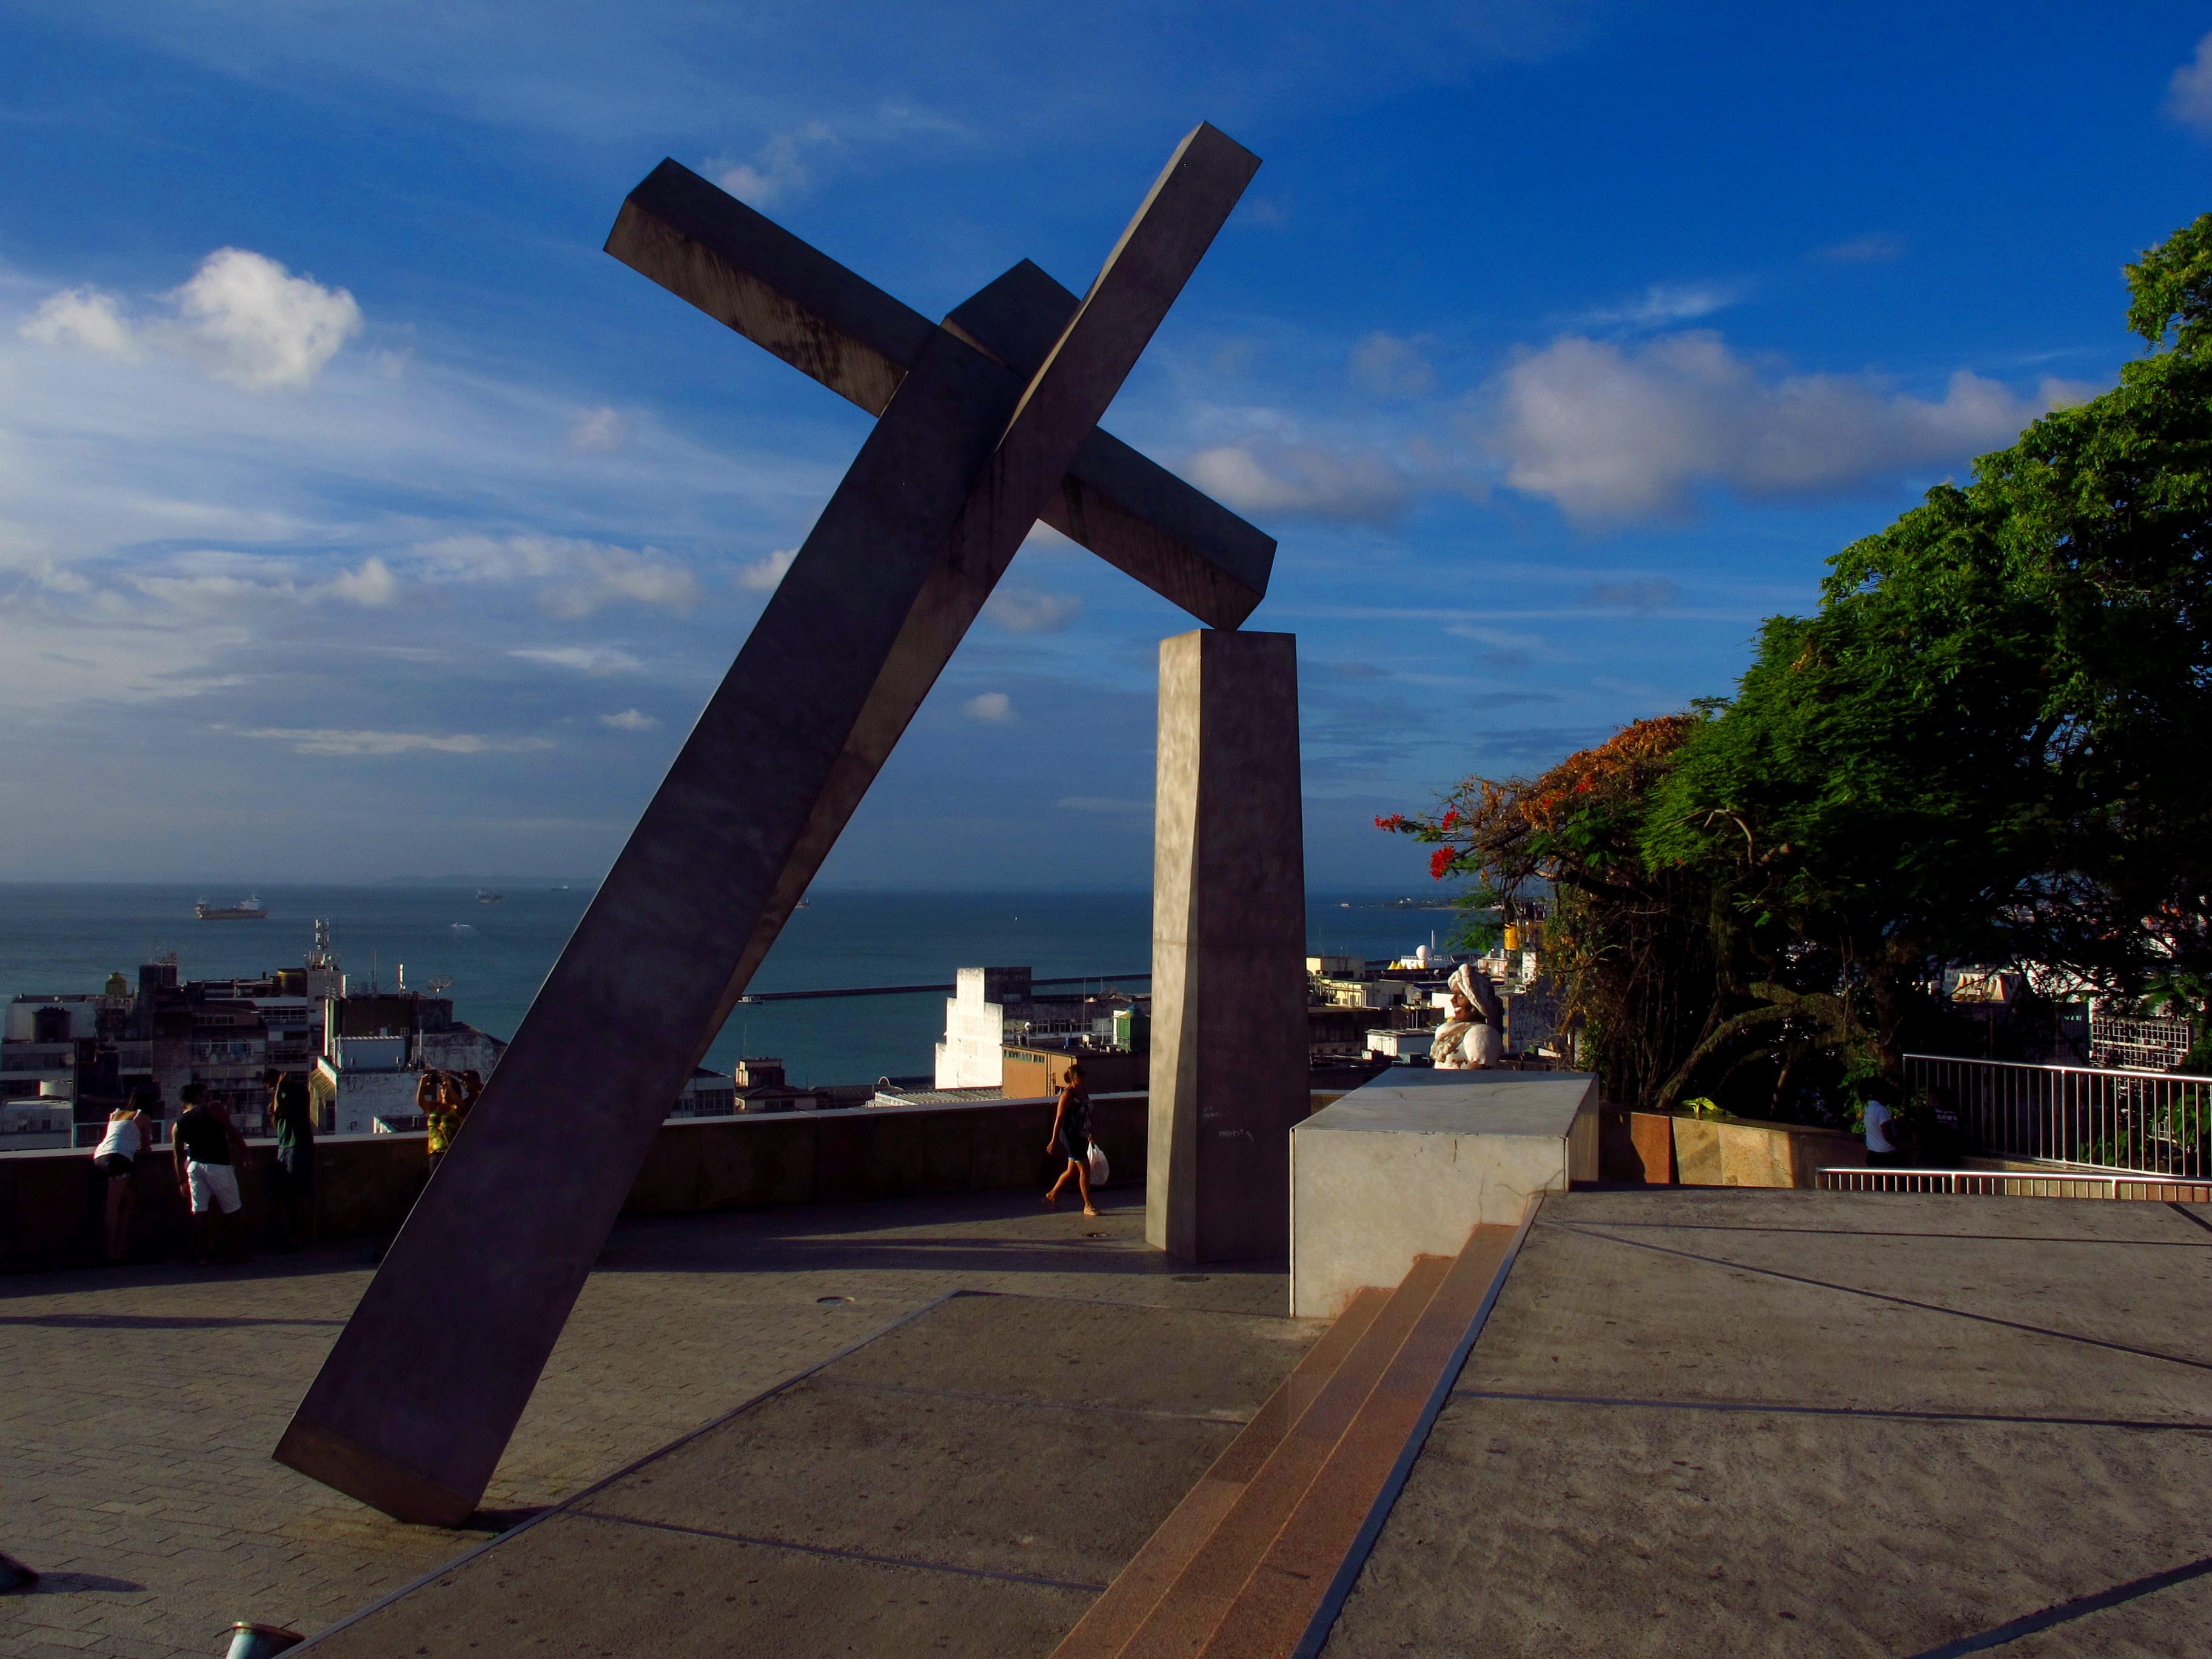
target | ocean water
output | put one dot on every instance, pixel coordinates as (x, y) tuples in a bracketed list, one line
[(71, 937)]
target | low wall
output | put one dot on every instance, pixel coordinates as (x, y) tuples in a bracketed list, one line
[(50, 1213), (1670, 1149)]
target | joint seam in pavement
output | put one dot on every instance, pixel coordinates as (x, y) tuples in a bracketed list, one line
[(835, 1553), (1883, 1412), (2066, 1612), (630, 1469), (1891, 1232), (1883, 1296), (1226, 1420)]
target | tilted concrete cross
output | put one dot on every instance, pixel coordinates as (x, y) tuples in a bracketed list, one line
[(987, 422)]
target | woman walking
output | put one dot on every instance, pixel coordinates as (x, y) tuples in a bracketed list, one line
[(1071, 1138), (127, 1132)]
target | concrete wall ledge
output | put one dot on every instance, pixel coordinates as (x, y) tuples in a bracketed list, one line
[(1412, 1162), (50, 1201)]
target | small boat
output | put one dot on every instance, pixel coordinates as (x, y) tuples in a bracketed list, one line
[(247, 909), (485, 895)]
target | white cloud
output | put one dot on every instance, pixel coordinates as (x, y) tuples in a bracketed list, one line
[(630, 720), (372, 583), (1268, 476), (1876, 248), (993, 707), (217, 579), (323, 740), (2188, 94), (577, 578), (1613, 433), (1663, 303), (598, 431), (761, 575), (81, 317), (1026, 611), (793, 160), (262, 325), (242, 316), (1389, 367), (594, 659)]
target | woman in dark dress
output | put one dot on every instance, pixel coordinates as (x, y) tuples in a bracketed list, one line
[(1071, 1138)]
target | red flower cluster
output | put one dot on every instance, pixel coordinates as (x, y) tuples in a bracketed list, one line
[(1451, 817), (1396, 820), (1440, 862)]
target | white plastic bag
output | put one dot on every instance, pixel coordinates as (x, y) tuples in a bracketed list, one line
[(1099, 1168)]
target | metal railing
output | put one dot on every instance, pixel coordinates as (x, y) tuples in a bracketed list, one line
[(2009, 1183), (2148, 1122)]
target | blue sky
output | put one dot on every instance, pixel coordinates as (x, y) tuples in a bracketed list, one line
[(359, 518)]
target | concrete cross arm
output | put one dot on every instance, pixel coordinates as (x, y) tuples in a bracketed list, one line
[(748, 272)]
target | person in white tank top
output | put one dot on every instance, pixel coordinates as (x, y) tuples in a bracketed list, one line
[(115, 1158)]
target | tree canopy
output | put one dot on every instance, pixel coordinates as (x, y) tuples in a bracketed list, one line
[(1987, 745)]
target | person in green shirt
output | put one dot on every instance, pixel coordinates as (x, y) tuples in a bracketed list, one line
[(292, 1175)]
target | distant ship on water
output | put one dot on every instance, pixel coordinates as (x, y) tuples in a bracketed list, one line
[(247, 909), (485, 895)]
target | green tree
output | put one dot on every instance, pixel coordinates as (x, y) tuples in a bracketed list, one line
[(1987, 745)]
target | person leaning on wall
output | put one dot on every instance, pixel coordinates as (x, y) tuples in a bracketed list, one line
[(445, 1101), (292, 1176), (209, 1150), (130, 1135)]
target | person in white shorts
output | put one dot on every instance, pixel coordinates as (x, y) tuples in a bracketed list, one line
[(209, 1150)]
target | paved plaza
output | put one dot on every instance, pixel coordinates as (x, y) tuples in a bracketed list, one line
[(1722, 1422), (1696, 1422), (138, 1405)]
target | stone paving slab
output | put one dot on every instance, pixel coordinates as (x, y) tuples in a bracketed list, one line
[(1749, 1424), (138, 1405), (605, 1589), (902, 1456), (2001, 1321)]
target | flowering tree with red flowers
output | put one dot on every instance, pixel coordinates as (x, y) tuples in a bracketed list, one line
[(1628, 945)]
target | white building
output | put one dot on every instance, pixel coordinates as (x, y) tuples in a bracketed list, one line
[(39, 1123), (971, 1057), (362, 1080)]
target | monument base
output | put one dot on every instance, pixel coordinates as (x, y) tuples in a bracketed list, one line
[(377, 1481)]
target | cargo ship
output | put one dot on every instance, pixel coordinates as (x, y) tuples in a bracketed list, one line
[(247, 909)]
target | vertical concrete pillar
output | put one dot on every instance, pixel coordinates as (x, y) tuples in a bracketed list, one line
[(1229, 1076)]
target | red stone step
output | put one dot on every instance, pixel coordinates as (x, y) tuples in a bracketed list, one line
[(1137, 1589), (1271, 1612), (1185, 1618)]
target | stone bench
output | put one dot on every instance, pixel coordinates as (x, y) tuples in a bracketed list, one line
[(1412, 1162)]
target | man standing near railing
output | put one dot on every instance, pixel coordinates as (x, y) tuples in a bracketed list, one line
[(1881, 1149)]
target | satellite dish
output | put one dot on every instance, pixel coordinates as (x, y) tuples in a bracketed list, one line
[(441, 982)]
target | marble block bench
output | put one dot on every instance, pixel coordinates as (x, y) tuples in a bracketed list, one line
[(1411, 1163)]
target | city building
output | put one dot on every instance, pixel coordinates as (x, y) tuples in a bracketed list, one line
[(91, 1051), (759, 1086), (709, 1094), (993, 1007)]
